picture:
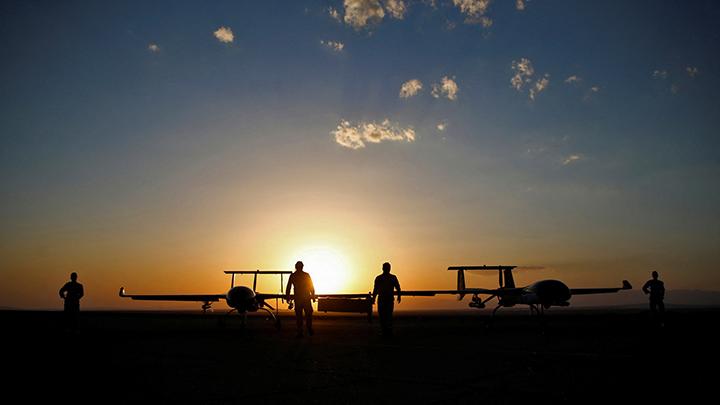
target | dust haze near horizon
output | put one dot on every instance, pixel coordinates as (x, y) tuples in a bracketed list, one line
[(154, 145)]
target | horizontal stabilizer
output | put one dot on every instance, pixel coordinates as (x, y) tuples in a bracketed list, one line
[(258, 272), (481, 267)]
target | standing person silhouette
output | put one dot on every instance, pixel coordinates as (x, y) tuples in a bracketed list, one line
[(71, 292), (656, 289), (385, 284), (304, 293)]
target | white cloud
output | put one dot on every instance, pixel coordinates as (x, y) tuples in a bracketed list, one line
[(520, 5), (333, 45), (224, 35), (523, 73), (361, 13), (154, 48), (396, 8), (571, 159), (410, 88), (594, 89), (573, 79), (475, 11), (692, 71), (447, 87), (334, 14), (660, 74), (442, 126), (357, 136), (539, 86)]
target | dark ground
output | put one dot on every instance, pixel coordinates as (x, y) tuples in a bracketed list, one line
[(578, 356)]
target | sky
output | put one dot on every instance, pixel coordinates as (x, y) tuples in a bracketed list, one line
[(152, 145)]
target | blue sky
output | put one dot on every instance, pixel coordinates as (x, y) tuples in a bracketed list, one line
[(130, 130)]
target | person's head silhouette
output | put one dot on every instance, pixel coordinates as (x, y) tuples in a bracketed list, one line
[(386, 268), (655, 275), (299, 265), (73, 276)]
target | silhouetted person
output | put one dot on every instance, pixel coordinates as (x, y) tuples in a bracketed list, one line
[(304, 295), (71, 292), (385, 285), (656, 289)]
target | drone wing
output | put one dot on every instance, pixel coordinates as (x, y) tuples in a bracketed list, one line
[(173, 297), (584, 291)]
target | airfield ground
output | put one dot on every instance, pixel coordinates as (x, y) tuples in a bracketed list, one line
[(589, 356)]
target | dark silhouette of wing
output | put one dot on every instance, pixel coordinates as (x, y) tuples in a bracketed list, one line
[(173, 297), (431, 293), (584, 291)]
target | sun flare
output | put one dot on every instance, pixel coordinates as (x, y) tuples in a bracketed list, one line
[(327, 267)]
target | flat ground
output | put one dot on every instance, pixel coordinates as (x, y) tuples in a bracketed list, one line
[(589, 356)]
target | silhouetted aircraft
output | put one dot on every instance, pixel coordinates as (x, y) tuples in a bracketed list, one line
[(539, 295), (244, 299)]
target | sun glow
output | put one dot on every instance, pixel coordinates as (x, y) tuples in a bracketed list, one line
[(328, 268)]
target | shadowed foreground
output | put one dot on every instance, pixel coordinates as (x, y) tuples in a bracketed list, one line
[(442, 357)]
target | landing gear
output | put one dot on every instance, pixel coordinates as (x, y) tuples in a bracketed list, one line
[(276, 319)]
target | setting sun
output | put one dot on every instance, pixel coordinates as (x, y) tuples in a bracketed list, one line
[(329, 268)]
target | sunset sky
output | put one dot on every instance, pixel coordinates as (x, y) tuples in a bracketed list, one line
[(153, 144)]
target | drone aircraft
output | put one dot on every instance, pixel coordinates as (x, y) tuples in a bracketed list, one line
[(244, 299), (539, 295)]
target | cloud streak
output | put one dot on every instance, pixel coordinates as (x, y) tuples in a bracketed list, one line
[(571, 159), (334, 46), (358, 136)]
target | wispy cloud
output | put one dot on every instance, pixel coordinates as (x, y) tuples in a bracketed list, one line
[(475, 11), (396, 8), (660, 74), (571, 159), (358, 136), (334, 46), (573, 79), (523, 73), (153, 47), (520, 4), (539, 86), (442, 126), (362, 13), (447, 88), (224, 35), (523, 76), (410, 88), (334, 14), (590, 92), (692, 71)]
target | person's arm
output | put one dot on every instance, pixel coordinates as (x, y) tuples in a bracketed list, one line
[(312, 288), (82, 292), (287, 289), (397, 287), (375, 288), (645, 288), (62, 291)]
